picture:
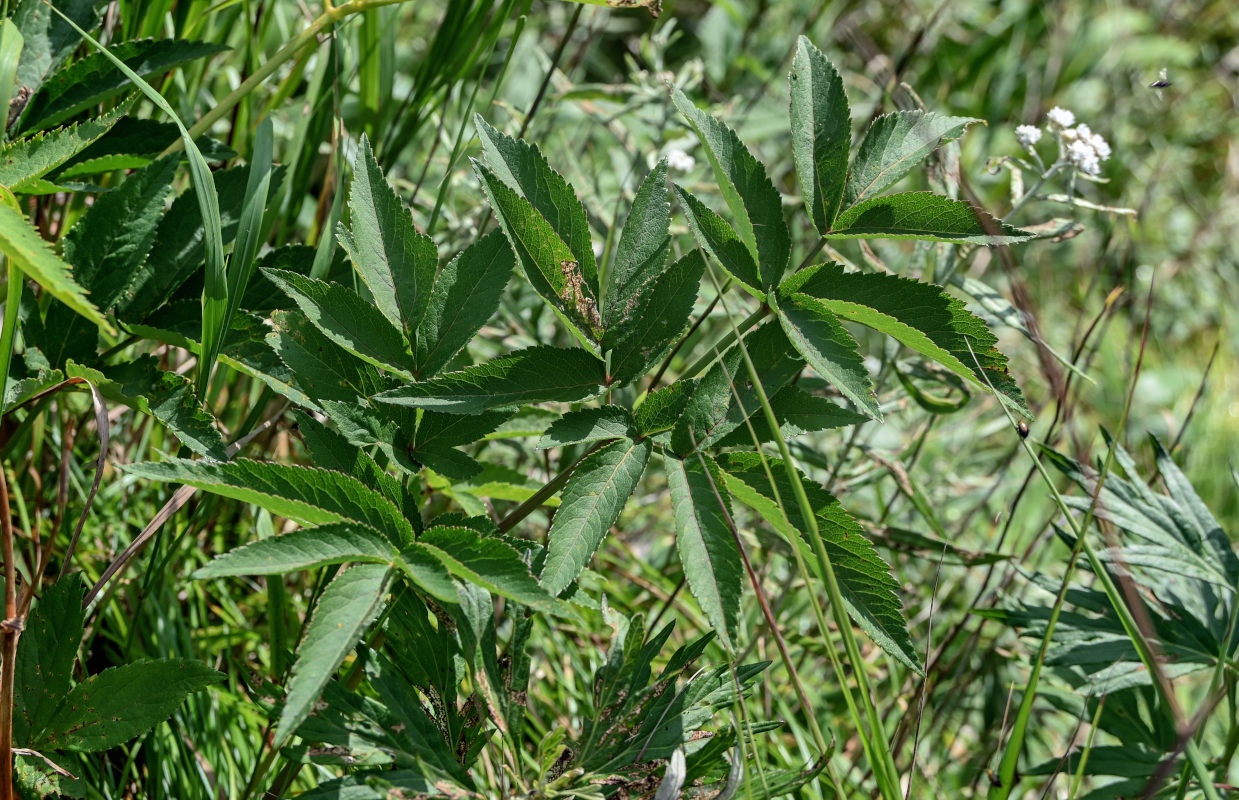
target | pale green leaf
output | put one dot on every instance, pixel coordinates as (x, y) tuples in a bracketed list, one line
[(893, 146), (590, 504), (923, 215)]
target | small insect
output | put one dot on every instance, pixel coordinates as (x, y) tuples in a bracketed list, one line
[(1162, 82), (1022, 428)]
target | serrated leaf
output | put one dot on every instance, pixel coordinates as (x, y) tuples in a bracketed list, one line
[(893, 146), (133, 143), (644, 245), (869, 590), (343, 613), (832, 352), (348, 320), (588, 425), (166, 396), (119, 703), (722, 243), (322, 368), (465, 296), (94, 79), (663, 312), (489, 563), (755, 204), (44, 663), (24, 161), (308, 548), (797, 412), (590, 504), (708, 551), (552, 268), (662, 408), (821, 132), (304, 494), (522, 166), (330, 450), (28, 251), (707, 409), (918, 315), (926, 216), (396, 262), (47, 39), (533, 375)]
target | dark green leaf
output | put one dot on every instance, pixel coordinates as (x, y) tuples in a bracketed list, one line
[(821, 132), (893, 146), (708, 551), (722, 243), (662, 313), (532, 375), (466, 294), (923, 215), (591, 503), (396, 262), (133, 143), (755, 204), (24, 161), (640, 256), (323, 369), (119, 703), (334, 543), (489, 563), (707, 409), (662, 408), (47, 39), (330, 450), (44, 663), (819, 336), (588, 425), (348, 320), (797, 412), (343, 613)]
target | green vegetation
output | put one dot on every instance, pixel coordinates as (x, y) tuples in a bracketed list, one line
[(608, 399)]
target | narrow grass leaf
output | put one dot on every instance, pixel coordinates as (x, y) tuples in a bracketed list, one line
[(309, 548), (465, 296), (533, 375), (755, 204), (821, 132), (893, 146), (348, 320), (111, 708), (396, 262), (708, 551), (590, 504), (819, 336), (304, 494), (926, 216), (343, 613)]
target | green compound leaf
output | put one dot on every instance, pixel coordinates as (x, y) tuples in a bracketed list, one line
[(28, 251), (926, 216), (664, 310), (348, 320), (754, 203), (869, 589), (723, 244), (661, 408), (552, 268), (304, 494), (396, 262), (821, 132), (708, 551), (522, 166), (819, 336), (918, 315), (489, 563), (334, 543), (119, 703), (893, 146), (465, 296), (25, 161), (588, 425), (343, 613), (44, 664), (323, 369), (533, 375), (644, 245), (590, 504)]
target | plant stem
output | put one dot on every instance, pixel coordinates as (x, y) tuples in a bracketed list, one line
[(12, 628)]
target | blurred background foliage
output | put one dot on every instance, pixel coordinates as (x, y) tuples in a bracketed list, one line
[(589, 85)]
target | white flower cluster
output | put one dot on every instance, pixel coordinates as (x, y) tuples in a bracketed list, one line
[(1077, 143)]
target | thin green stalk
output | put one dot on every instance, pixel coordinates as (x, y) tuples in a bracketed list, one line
[(8, 336)]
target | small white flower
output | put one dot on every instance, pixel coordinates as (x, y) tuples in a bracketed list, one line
[(680, 161), (1061, 117), (1100, 146), (1084, 132), (1084, 157), (1027, 136)]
